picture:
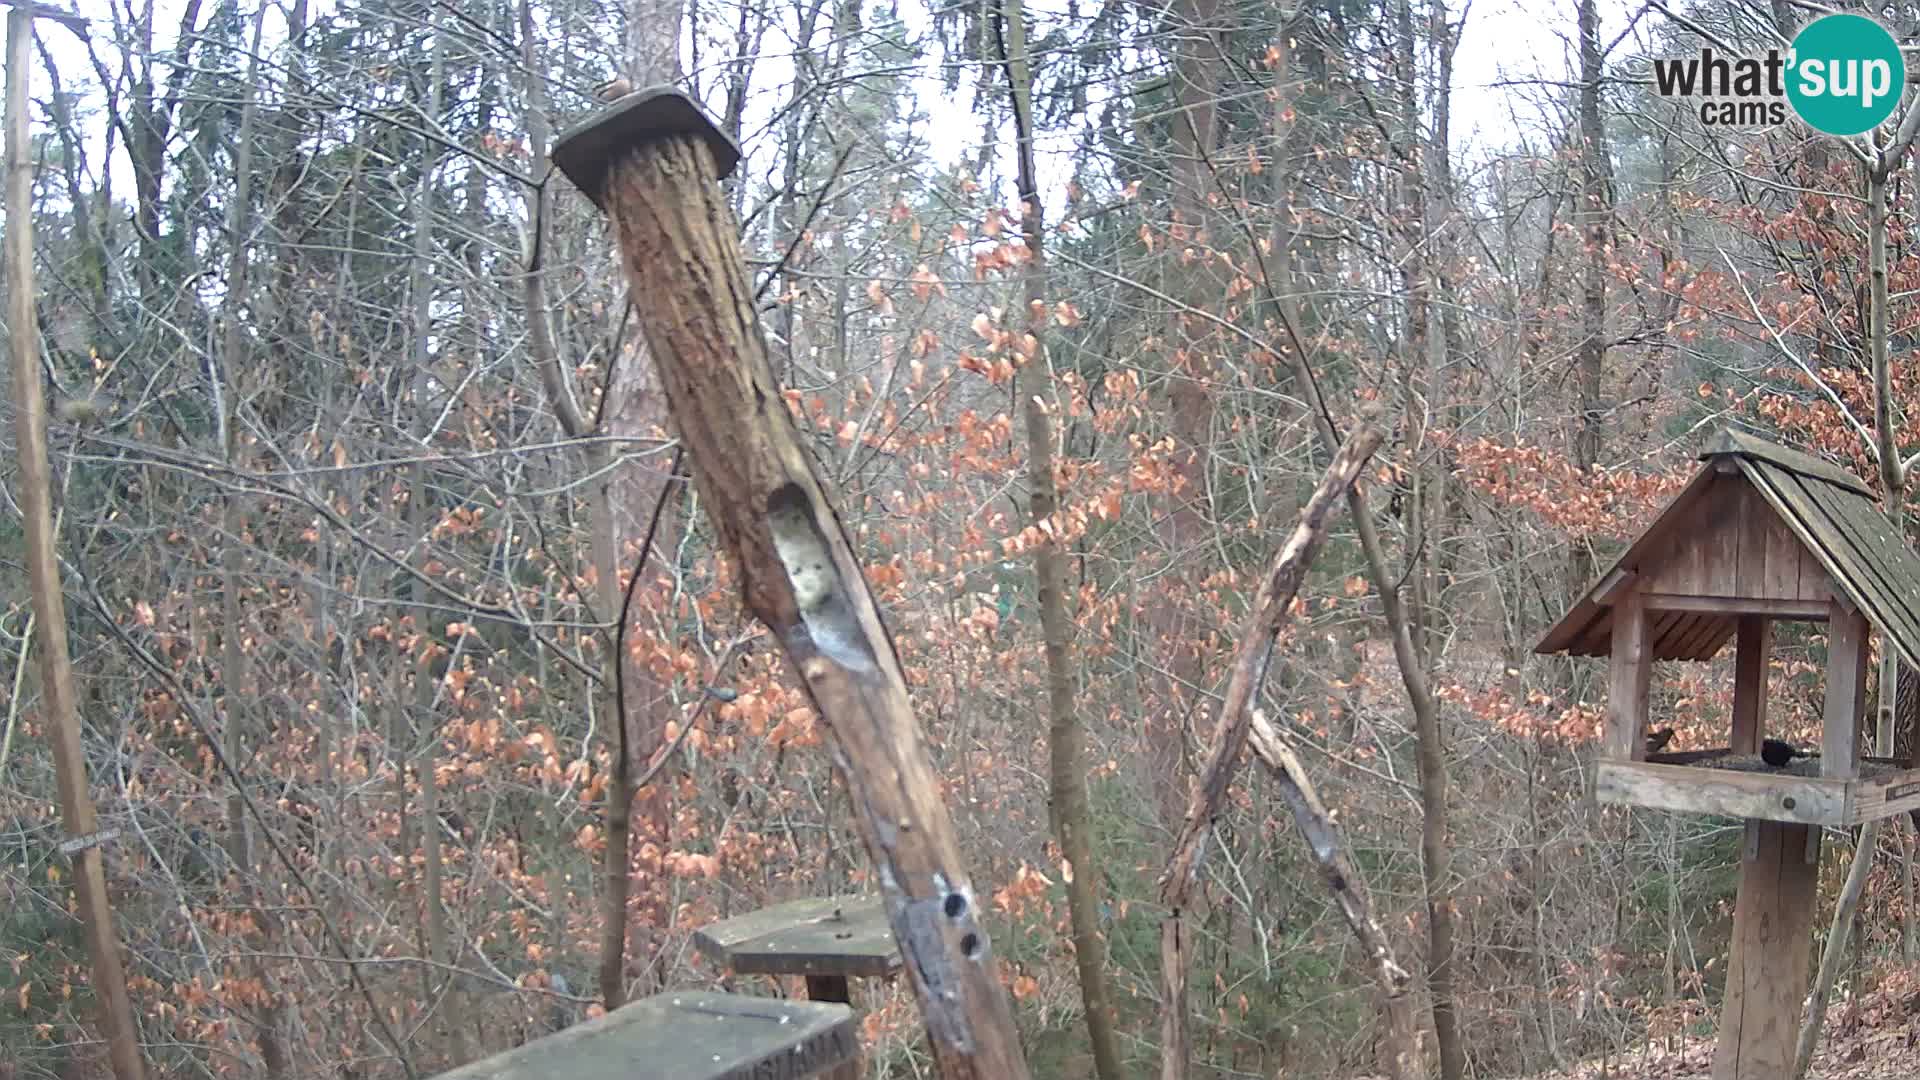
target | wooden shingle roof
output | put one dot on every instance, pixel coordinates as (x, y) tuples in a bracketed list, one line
[(1832, 514)]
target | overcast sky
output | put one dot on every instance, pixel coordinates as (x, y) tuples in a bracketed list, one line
[(1503, 43)]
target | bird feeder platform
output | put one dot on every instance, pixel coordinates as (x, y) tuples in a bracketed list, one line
[(687, 1036), (827, 941), (1726, 783), (1762, 534)]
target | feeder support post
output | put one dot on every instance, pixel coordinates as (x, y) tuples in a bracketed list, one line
[(654, 161)]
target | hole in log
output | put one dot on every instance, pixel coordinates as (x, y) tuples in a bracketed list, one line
[(831, 626), (802, 550), (956, 905), (1788, 802), (970, 946)]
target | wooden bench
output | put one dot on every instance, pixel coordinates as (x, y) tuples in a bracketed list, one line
[(826, 941), (690, 1035)]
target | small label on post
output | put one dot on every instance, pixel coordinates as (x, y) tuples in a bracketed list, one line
[(78, 844)]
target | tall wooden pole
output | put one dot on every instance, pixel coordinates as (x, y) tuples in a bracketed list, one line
[(43, 572), (654, 163)]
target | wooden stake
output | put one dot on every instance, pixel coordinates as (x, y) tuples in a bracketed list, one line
[(61, 706), (653, 162)]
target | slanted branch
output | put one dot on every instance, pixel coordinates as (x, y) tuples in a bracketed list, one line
[(653, 162), (1404, 1058), (1271, 610)]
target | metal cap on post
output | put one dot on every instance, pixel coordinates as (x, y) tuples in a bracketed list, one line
[(587, 150)]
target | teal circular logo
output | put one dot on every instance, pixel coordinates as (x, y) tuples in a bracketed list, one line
[(1845, 74)]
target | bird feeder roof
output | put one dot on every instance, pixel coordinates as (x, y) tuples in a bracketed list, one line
[(1834, 528)]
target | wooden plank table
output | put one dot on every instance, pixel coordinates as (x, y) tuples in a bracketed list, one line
[(826, 940), (687, 1035)]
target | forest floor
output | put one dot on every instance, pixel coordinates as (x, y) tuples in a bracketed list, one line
[(1874, 1038)]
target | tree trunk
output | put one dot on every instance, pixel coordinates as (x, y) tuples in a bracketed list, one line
[(632, 406), (1596, 216), (59, 704), (237, 683), (636, 703), (1414, 359), (1197, 65), (424, 727), (1892, 482), (1066, 736)]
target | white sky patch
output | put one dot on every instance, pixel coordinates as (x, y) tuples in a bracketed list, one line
[(1515, 57)]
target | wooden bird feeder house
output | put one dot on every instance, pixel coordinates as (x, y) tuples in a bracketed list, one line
[(1762, 534)]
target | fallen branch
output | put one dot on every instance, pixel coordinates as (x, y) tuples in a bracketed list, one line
[(1271, 609), (1404, 1058)]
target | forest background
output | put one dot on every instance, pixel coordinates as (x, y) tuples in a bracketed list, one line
[(357, 448)]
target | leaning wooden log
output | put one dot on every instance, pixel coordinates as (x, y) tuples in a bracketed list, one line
[(1271, 609), (1405, 1061), (654, 163)]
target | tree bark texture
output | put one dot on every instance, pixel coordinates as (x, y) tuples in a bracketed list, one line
[(1596, 217), (1183, 531)]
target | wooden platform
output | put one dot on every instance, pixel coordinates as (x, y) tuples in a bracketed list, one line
[(846, 936), (686, 1036), (1725, 784)]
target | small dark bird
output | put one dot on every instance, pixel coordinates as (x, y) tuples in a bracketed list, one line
[(1658, 738), (1778, 754)]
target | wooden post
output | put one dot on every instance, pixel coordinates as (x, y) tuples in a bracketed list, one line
[(59, 702), (1768, 960), (654, 163), (1846, 692), (829, 988), (1630, 671), (834, 989), (1753, 647)]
